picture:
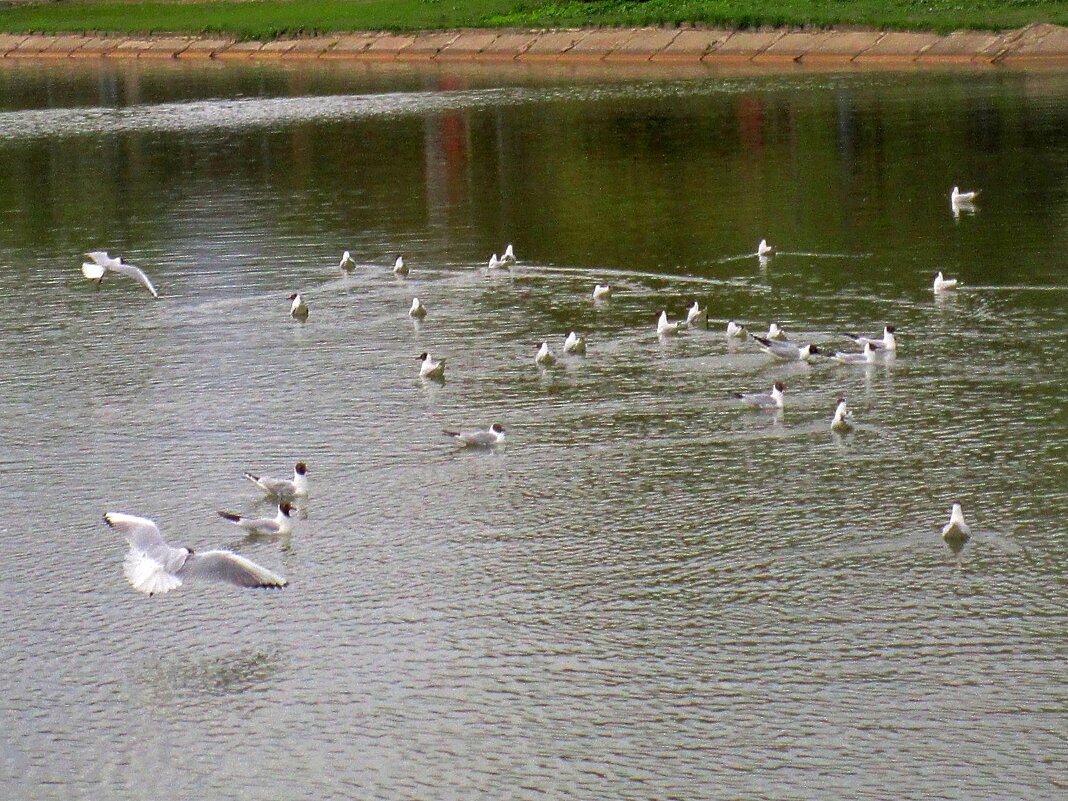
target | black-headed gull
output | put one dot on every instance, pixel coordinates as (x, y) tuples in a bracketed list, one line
[(283, 488), (494, 263), (544, 357), (764, 249), (775, 332), (888, 342), (665, 328), (765, 400), (479, 439), (418, 310), (399, 267), (347, 262), (298, 310), (956, 532), (787, 351), (279, 524), (695, 315), (574, 343), (102, 263), (867, 356), (509, 254), (956, 197), (842, 420), (942, 285), (602, 292), (152, 566), (428, 368), (735, 330)]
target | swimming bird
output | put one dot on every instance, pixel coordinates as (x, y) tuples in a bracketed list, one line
[(957, 197), (956, 532), (430, 368), (867, 356), (284, 488), (942, 285), (787, 351), (888, 342), (509, 254), (479, 439), (843, 420), (735, 330), (299, 309), (574, 343), (765, 400), (102, 263), (152, 566), (399, 267), (774, 332), (695, 314), (347, 262), (664, 328), (494, 262), (279, 524), (764, 249), (418, 310), (545, 357), (602, 292)]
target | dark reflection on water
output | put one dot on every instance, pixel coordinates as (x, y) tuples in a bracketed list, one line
[(649, 590)]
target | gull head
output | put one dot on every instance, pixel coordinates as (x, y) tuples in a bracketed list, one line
[(285, 508), (889, 329), (294, 296), (422, 357), (301, 469), (497, 428)]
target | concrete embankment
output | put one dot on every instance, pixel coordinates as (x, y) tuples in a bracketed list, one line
[(1035, 45)]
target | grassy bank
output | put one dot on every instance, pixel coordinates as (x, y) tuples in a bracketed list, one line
[(267, 19)]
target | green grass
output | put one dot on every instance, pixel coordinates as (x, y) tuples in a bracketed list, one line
[(266, 19)]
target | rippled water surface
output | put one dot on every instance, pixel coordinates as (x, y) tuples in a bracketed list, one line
[(649, 591)]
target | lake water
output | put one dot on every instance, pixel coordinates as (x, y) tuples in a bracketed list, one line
[(649, 591)]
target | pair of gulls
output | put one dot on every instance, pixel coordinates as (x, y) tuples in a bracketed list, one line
[(348, 264), (154, 567), (573, 343), (775, 400)]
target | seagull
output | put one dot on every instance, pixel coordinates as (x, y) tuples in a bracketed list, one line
[(102, 263), (956, 531), (509, 254), (956, 197), (479, 439), (574, 343), (787, 351), (399, 267), (279, 524), (764, 249), (418, 310), (764, 400), (664, 328), (430, 368), (887, 343), (299, 309), (347, 262), (152, 566), (735, 330), (602, 292), (942, 285), (867, 356), (774, 332), (695, 314), (494, 262), (545, 356), (843, 420), (283, 488)]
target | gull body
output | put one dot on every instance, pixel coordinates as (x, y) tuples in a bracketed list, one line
[(602, 291), (735, 330), (695, 314), (956, 531), (765, 400), (775, 332), (942, 285), (574, 343), (867, 356), (429, 368), (787, 351), (494, 262), (152, 566), (509, 254), (544, 357), (347, 262), (298, 310), (842, 420), (283, 488), (279, 524), (418, 310), (479, 439), (102, 263), (764, 249), (399, 267), (957, 197), (888, 342), (665, 328)]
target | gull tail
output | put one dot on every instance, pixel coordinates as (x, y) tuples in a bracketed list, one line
[(451, 433), (251, 477), (233, 518), (762, 340), (851, 336)]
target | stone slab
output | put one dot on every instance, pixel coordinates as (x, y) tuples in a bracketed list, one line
[(551, 45), (841, 46), (468, 45), (275, 49), (692, 45), (428, 45), (742, 46), (388, 46), (595, 45), (240, 50), (97, 47), (1038, 42), (643, 45), (964, 47), (165, 48), (349, 47), (508, 45), (792, 46), (9, 42), (31, 47), (63, 46), (898, 46), (205, 48)]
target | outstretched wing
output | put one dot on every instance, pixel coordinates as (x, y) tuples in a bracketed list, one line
[(147, 574), (92, 271), (135, 273), (140, 532), (100, 257), (225, 566)]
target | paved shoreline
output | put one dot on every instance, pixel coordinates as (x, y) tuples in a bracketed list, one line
[(1038, 45)]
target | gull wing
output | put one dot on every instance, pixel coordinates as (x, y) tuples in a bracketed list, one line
[(100, 257), (135, 273), (140, 532), (219, 565), (92, 270), (147, 574)]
